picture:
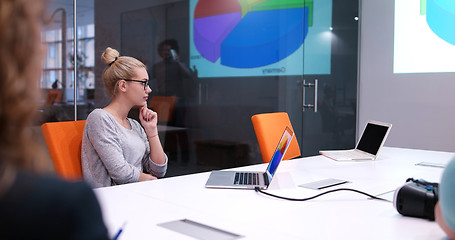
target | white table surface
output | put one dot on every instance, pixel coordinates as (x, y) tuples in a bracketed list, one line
[(340, 215)]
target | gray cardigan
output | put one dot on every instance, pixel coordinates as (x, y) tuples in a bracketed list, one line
[(112, 154)]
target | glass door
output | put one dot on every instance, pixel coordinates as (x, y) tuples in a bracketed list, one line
[(322, 102), (68, 69)]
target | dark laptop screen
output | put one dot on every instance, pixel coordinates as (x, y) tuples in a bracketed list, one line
[(372, 138)]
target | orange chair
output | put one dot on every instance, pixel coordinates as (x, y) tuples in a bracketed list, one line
[(64, 140), (53, 96), (164, 106), (268, 128)]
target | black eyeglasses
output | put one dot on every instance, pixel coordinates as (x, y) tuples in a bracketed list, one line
[(145, 83)]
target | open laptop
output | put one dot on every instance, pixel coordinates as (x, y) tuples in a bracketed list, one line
[(373, 137), (251, 180)]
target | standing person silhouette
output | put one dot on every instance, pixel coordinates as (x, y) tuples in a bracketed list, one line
[(32, 205), (172, 78)]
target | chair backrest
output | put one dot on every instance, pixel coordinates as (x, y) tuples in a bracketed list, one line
[(64, 140), (53, 96), (164, 106), (268, 128)]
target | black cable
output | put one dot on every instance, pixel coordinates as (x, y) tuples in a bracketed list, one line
[(257, 189)]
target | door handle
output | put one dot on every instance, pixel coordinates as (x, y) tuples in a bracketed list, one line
[(315, 87)]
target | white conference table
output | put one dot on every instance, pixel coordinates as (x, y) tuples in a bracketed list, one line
[(340, 215)]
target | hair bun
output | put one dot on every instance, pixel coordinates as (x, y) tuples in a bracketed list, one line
[(109, 56)]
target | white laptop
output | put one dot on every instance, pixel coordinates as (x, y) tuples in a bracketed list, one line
[(251, 180), (373, 138)]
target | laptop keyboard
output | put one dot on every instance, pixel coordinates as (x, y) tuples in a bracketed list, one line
[(246, 178)]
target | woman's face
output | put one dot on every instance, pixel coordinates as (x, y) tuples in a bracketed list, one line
[(139, 88)]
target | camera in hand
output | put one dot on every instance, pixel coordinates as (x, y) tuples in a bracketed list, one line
[(416, 198)]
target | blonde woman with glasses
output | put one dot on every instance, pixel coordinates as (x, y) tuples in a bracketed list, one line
[(117, 149)]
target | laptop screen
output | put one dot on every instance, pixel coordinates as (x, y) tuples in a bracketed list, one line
[(373, 137), (280, 150)]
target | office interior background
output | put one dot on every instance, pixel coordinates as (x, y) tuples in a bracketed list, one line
[(344, 47)]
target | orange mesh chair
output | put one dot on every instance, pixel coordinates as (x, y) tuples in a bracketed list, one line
[(64, 140), (268, 128)]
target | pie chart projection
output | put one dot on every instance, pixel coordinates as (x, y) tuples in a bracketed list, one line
[(441, 18), (424, 36), (250, 33)]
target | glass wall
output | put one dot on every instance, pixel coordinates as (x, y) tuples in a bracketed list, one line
[(232, 59), (58, 78)]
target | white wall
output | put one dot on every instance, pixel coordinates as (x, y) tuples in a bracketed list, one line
[(421, 107)]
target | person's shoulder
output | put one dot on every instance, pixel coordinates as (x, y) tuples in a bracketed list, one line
[(98, 115), (49, 189), (53, 184), (451, 165), (37, 201), (447, 194), (448, 176)]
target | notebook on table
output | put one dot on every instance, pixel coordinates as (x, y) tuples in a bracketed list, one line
[(373, 138), (251, 180)]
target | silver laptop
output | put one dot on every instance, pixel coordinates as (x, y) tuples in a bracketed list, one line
[(251, 180), (373, 138)]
